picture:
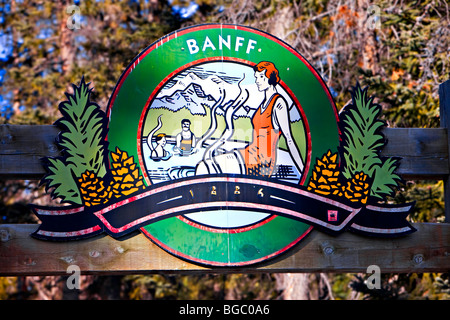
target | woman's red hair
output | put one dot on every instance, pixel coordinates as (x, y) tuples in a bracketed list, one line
[(271, 71)]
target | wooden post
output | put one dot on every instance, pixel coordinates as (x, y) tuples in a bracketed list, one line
[(444, 101)]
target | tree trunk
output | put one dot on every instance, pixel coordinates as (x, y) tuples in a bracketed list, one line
[(67, 53), (294, 286)]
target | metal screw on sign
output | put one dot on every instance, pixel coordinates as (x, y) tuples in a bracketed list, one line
[(418, 258), (52, 148), (4, 235), (327, 248), (8, 138)]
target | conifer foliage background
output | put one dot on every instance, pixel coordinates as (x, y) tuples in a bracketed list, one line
[(399, 48)]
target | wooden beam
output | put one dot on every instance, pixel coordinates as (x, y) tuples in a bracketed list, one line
[(22, 147), (424, 152), (426, 250), (444, 105)]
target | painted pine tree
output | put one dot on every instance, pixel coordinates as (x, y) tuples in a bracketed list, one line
[(83, 144), (81, 175), (362, 144)]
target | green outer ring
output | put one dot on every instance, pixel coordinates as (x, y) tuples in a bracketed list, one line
[(155, 64)]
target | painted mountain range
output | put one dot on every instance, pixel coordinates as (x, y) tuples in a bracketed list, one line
[(195, 93)]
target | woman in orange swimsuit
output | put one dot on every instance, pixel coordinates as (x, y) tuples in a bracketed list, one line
[(270, 120)]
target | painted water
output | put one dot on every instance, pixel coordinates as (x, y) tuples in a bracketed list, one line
[(210, 95)]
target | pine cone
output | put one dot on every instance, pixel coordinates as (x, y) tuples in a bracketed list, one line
[(125, 176), (325, 176), (357, 189), (125, 181), (93, 189), (325, 181)]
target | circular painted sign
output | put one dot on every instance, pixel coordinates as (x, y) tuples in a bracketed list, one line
[(232, 106)]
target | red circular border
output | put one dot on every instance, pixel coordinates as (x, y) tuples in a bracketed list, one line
[(216, 59), (202, 61), (174, 35)]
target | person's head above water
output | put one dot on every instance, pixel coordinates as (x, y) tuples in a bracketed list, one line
[(161, 139), (185, 124)]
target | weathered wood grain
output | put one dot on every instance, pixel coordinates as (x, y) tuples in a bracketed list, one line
[(444, 109), (427, 250), (22, 147), (424, 152)]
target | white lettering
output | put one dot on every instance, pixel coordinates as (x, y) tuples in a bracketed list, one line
[(74, 21), (238, 43), (245, 309), (73, 281), (250, 45), (192, 45), (223, 42), (208, 44), (374, 281), (196, 310), (373, 19)]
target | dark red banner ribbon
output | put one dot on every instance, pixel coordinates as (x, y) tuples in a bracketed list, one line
[(205, 194)]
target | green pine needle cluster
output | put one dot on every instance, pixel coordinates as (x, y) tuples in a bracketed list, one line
[(82, 140), (362, 144)]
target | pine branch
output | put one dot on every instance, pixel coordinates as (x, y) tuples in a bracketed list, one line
[(362, 144), (385, 180), (83, 144), (83, 139), (60, 179)]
